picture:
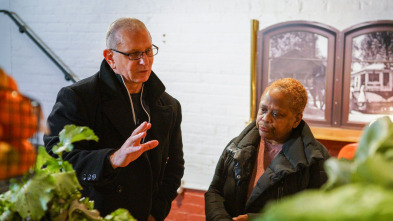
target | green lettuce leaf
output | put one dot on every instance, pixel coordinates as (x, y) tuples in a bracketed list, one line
[(78, 211), (349, 202), (32, 198), (375, 169), (358, 189), (71, 134), (373, 160), (52, 192), (52, 165), (338, 171), (377, 137), (119, 215), (66, 184)]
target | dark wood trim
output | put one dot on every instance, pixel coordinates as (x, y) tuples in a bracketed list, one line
[(337, 92)]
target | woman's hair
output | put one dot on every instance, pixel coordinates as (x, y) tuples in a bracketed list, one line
[(133, 24), (293, 90)]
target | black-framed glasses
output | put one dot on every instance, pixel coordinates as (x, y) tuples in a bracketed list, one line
[(150, 52)]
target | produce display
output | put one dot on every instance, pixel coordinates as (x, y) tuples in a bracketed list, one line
[(18, 122), (18, 116), (358, 189), (7, 82), (51, 191), (49, 188), (16, 158)]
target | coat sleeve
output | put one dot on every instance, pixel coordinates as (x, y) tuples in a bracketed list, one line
[(174, 170), (318, 175), (92, 166), (214, 197)]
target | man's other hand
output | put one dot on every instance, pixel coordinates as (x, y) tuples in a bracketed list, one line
[(132, 148), (241, 218)]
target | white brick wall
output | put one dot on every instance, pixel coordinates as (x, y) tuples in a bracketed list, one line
[(203, 59)]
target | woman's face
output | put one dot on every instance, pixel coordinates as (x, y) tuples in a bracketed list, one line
[(275, 119)]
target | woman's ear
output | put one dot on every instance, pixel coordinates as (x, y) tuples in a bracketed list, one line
[(108, 55), (298, 119)]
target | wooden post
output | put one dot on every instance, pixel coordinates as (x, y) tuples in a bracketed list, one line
[(254, 33)]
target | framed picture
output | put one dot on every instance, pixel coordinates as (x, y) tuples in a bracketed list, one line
[(304, 51), (368, 73), (348, 75)]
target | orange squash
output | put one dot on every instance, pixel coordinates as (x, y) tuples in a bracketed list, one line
[(27, 154), (7, 82), (16, 158), (18, 118), (9, 159)]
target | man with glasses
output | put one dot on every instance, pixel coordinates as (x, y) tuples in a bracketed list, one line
[(137, 164)]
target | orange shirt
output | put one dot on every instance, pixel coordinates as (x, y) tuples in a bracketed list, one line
[(266, 153)]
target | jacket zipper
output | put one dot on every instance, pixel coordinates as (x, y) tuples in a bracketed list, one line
[(132, 105), (280, 190), (143, 107), (129, 96)]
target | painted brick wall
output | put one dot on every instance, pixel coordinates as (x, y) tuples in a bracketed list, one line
[(203, 58)]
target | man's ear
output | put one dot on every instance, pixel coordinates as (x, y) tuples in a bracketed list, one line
[(298, 119), (108, 55)]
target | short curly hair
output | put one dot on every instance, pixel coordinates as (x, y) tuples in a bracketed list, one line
[(294, 90)]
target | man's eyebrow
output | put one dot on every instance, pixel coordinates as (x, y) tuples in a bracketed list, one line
[(142, 50), (131, 51), (138, 51)]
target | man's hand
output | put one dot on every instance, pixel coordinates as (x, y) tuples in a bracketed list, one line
[(241, 218), (151, 218), (132, 148)]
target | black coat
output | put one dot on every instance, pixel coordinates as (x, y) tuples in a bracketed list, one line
[(147, 185), (297, 167)]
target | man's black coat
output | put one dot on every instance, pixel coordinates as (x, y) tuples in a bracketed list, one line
[(147, 185)]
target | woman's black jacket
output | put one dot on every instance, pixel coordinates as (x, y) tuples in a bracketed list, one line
[(297, 167)]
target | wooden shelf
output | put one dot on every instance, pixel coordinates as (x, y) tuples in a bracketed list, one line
[(336, 134)]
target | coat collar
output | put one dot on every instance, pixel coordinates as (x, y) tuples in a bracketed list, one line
[(293, 148), (153, 86), (294, 156), (115, 99)]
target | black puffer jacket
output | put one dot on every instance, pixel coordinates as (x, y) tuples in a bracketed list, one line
[(297, 167)]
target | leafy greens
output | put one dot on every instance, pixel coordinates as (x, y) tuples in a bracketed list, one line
[(360, 189), (51, 191)]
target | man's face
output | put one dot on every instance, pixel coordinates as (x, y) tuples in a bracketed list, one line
[(133, 71), (275, 119)]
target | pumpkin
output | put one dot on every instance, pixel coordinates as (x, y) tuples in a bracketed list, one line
[(16, 158), (8, 160), (7, 82), (18, 117)]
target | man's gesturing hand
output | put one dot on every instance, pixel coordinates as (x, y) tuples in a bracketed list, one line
[(132, 148)]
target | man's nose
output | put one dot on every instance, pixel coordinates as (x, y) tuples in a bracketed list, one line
[(144, 59)]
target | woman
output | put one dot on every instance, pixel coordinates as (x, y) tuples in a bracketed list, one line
[(273, 157)]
